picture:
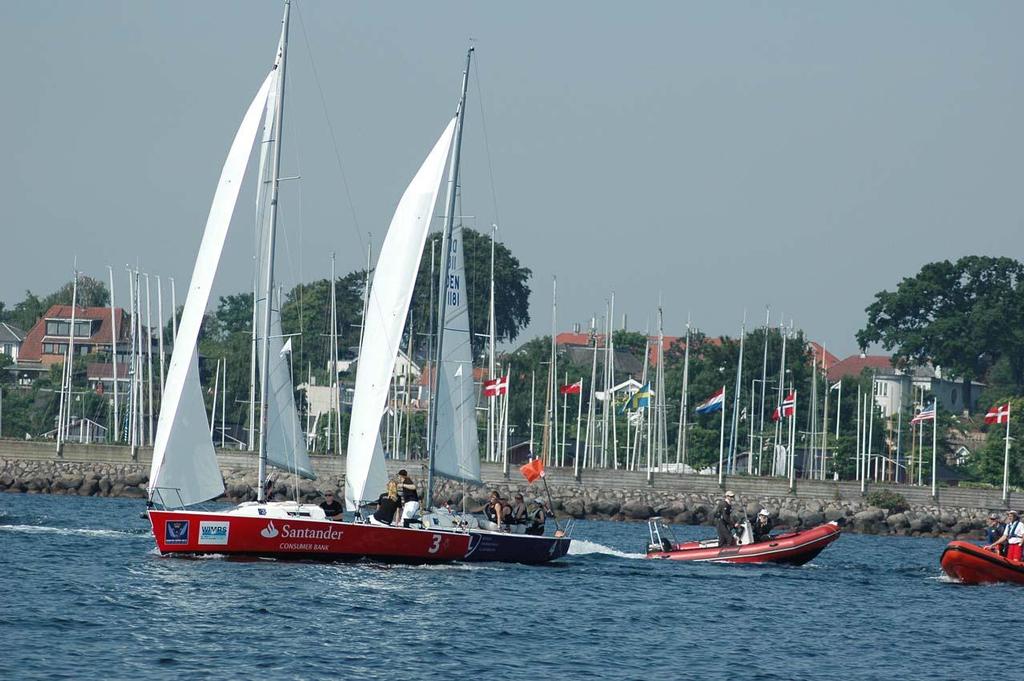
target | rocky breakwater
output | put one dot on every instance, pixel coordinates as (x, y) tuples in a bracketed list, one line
[(787, 512), (867, 516)]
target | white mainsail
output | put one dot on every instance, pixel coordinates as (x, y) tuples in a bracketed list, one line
[(286, 447), (183, 457), (388, 306), (456, 454)]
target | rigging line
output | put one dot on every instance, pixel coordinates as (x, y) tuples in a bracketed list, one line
[(330, 128), (487, 145)]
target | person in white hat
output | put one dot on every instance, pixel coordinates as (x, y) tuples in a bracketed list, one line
[(724, 522), (762, 526)]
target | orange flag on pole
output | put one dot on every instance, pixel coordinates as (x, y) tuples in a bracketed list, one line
[(532, 470)]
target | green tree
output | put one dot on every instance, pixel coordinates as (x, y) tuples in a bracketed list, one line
[(964, 316), (511, 288), (91, 293)]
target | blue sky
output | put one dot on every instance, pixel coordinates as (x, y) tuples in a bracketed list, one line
[(726, 155)]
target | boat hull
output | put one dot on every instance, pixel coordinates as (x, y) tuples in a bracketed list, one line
[(971, 564), (202, 533), (504, 547), (795, 548)]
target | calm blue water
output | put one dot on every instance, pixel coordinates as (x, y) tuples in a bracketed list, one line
[(85, 596)]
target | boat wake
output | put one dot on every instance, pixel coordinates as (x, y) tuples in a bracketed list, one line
[(582, 547), (66, 531)]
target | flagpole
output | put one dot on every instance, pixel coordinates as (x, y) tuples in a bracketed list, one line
[(565, 407), (579, 418), (920, 448), (750, 437), (792, 446), (721, 441), (782, 388), (764, 384), (1006, 457), (899, 442), (681, 436), (856, 468), (533, 391), (935, 432), (734, 425)]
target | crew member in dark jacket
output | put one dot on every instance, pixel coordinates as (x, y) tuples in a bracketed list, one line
[(332, 507), (723, 519), (387, 506), (762, 526), (993, 531)]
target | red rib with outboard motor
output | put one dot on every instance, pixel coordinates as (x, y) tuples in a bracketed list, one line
[(794, 548), (971, 564)]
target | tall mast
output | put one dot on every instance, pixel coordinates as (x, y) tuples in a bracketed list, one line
[(268, 290), (491, 332), (734, 426), (442, 290), (683, 406), (113, 346), (332, 373)]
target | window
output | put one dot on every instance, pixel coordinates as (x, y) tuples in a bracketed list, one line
[(8, 349), (83, 329), (62, 327)]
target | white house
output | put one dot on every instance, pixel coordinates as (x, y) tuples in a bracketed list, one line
[(11, 338)]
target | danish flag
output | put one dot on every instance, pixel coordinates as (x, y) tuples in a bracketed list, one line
[(788, 407), (998, 414), (572, 388), (496, 386)]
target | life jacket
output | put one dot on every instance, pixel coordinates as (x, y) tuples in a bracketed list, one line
[(489, 511)]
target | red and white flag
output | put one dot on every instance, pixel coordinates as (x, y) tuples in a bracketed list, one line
[(998, 414), (572, 388), (788, 407), (496, 386)]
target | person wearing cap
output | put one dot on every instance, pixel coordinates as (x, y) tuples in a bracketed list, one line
[(410, 497), (762, 527), (1013, 537), (332, 508), (993, 531), (538, 514), (517, 516), (724, 521)]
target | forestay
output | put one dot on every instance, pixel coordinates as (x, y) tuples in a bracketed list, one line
[(456, 453), (388, 306), (183, 455)]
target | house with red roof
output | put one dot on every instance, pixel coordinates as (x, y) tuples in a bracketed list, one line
[(96, 329)]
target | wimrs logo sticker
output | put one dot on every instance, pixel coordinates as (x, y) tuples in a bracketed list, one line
[(269, 532), (176, 532), (213, 532)]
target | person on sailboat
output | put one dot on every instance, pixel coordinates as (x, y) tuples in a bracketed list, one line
[(494, 510), (332, 507), (410, 497), (537, 516), (517, 516), (387, 506)]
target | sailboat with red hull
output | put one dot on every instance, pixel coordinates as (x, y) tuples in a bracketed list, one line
[(184, 470)]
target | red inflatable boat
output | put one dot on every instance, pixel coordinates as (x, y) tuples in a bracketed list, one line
[(971, 564), (794, 548)]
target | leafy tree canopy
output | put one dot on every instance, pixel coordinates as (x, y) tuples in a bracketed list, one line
[(964, 316)]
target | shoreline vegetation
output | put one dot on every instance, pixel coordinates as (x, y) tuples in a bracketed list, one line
[(34, 468)]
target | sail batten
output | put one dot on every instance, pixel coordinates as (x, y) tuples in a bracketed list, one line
[(183, 456), (388, 306)]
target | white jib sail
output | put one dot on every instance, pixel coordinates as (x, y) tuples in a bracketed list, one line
[(390, 295), (184, 467), (456, 454), (286, 447)]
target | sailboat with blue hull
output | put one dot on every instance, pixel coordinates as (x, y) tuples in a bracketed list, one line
[(452, 430)]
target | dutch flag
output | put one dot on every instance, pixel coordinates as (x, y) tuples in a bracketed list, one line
[(713, 403)]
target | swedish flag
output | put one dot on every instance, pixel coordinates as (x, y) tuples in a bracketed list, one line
[(641, 399)]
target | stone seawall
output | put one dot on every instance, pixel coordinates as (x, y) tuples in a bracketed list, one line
[(34, 468)]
